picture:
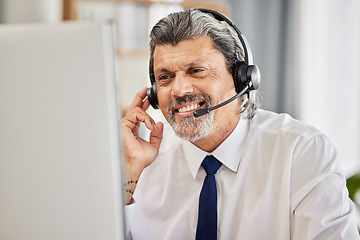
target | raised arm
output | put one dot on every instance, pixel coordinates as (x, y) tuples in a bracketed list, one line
[(138, 152)]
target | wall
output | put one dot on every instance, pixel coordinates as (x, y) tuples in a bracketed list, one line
[(309, 56), (18, 11)]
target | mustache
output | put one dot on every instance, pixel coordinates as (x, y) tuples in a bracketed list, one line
[(189, 98)]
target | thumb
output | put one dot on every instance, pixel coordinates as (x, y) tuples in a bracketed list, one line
[(156, 135)]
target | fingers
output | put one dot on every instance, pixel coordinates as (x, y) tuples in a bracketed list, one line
[(140, 100), (156, 135), (146, 104), (137, 115)]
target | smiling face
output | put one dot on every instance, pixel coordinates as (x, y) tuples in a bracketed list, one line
[(190, 76)]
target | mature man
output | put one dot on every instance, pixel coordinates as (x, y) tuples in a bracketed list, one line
[(273, 177)]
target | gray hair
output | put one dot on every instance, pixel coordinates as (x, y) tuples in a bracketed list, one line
[(194, 24)]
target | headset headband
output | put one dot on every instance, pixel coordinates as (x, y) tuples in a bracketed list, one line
[(220, 17)]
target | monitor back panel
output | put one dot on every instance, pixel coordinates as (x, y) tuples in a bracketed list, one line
[(60, 170)]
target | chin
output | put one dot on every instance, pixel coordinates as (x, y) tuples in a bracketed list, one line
[(190, 137), (193, 129)]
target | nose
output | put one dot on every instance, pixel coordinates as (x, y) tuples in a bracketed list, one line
[(182, 86)]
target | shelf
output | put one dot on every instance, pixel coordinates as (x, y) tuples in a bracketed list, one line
[(133, 24), (70, 7)]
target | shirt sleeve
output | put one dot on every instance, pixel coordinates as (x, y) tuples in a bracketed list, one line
[(128, 211), (320, 206)]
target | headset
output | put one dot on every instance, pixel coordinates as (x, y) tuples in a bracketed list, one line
[(246, 75)]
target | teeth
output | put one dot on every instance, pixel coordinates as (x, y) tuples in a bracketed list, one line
[(188, 108)]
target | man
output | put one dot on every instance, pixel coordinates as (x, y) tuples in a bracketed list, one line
[(278, 178)]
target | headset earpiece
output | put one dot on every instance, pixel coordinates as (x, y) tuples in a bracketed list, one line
[(152, 91), (244, 75), (152, 96)]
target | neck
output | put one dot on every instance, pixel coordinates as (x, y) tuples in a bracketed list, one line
[(216, 137)]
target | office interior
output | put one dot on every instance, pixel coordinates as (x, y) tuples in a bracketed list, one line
[(308, 53)]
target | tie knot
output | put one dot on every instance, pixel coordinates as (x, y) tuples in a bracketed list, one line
[(211, 165)]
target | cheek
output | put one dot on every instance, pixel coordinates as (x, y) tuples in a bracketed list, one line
[(220, 91), (227, 88), (164, 101), (222, 81)]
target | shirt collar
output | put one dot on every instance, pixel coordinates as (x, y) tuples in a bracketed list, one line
[(228, 153)]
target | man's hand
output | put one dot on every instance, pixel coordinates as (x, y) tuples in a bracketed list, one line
[(139, 153)]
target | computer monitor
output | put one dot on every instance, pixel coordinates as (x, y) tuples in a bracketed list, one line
[(60, 168)]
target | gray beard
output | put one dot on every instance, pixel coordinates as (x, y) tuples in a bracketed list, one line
[(191, 128)]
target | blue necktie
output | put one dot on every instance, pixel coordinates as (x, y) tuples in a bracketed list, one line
[(207, 221)]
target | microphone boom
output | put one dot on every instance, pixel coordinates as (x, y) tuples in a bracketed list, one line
[(201, 112)]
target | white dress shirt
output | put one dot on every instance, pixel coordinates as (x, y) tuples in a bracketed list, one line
[(280, 179)]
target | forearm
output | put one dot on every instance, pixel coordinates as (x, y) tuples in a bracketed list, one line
[(138, 152), (131, 178)]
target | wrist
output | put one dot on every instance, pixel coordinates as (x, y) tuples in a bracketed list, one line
[(129, 189), (132, 174)]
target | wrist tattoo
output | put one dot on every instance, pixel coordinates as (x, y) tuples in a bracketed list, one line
[(128, 183), (129, 191)]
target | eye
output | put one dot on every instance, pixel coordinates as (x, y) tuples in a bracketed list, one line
[(195, 70), (163, 77), (198, 72)]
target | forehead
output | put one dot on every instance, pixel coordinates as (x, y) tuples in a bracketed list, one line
[(199, 50)]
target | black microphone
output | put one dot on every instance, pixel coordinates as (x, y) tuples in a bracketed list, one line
[(201, 112)]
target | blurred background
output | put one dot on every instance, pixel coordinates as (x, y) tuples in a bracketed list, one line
[(308, 52)]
